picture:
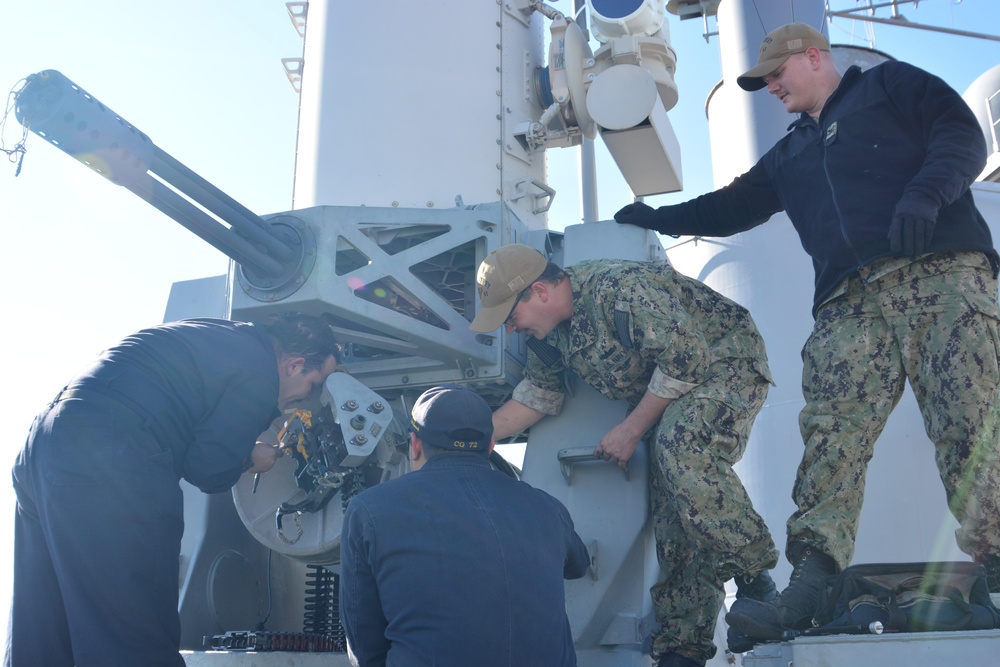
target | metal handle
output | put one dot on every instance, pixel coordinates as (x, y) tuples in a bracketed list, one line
[(541, 200), (572, 455)]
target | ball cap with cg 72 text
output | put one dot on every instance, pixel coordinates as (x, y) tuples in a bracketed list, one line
[(453, 417), (503, 275), (777, 47)]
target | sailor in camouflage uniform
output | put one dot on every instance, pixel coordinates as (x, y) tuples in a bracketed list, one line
[(693, 368), (875, 176)]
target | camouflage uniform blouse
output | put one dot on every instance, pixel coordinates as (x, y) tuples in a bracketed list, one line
[(639, 326)]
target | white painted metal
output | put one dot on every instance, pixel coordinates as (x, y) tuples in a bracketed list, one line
[(410, 106), (632, 121), (617, 19), (983, 97), (609, 104), (968, 649), (647, 155)]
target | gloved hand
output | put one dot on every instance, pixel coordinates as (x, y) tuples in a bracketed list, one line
[(911, 228), (638, 214)]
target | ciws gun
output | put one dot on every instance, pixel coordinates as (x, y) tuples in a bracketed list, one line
[(272, 254)]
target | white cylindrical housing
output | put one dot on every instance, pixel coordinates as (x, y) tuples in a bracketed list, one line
[(418, 111), (983, 97), (618, 18)]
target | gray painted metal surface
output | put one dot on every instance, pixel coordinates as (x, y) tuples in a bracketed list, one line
[(965, 649), (270, 659)]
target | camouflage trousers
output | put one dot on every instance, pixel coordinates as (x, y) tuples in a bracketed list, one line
[(706, 528), (933, 322)]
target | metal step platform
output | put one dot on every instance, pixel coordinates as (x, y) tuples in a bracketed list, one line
[(965, 649)]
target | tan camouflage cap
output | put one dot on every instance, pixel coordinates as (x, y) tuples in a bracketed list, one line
[(502, 276)]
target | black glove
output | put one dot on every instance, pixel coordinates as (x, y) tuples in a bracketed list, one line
[(911, 229), (638, 214)]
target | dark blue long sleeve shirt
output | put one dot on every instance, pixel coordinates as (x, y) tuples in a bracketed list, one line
[(889, 135), (207, 389), (457, 564)]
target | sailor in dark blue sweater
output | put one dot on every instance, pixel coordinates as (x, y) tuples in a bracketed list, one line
[(99, 508), (457, 563)]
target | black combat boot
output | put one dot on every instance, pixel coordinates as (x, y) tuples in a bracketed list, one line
[(794, 607), (992, 565), (761, 588), (677, 660), (758, 587)]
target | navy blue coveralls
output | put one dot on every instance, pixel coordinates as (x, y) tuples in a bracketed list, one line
[(99, 508), (457, 564)]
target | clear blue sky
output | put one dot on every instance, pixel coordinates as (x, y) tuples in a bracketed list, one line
[(86, 262)]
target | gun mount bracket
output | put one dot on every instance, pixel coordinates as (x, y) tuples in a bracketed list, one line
[(296, 234)]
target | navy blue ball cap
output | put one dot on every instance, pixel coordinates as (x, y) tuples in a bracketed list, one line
[(453, 417)]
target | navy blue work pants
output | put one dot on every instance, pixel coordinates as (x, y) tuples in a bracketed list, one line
[(96, 542)]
